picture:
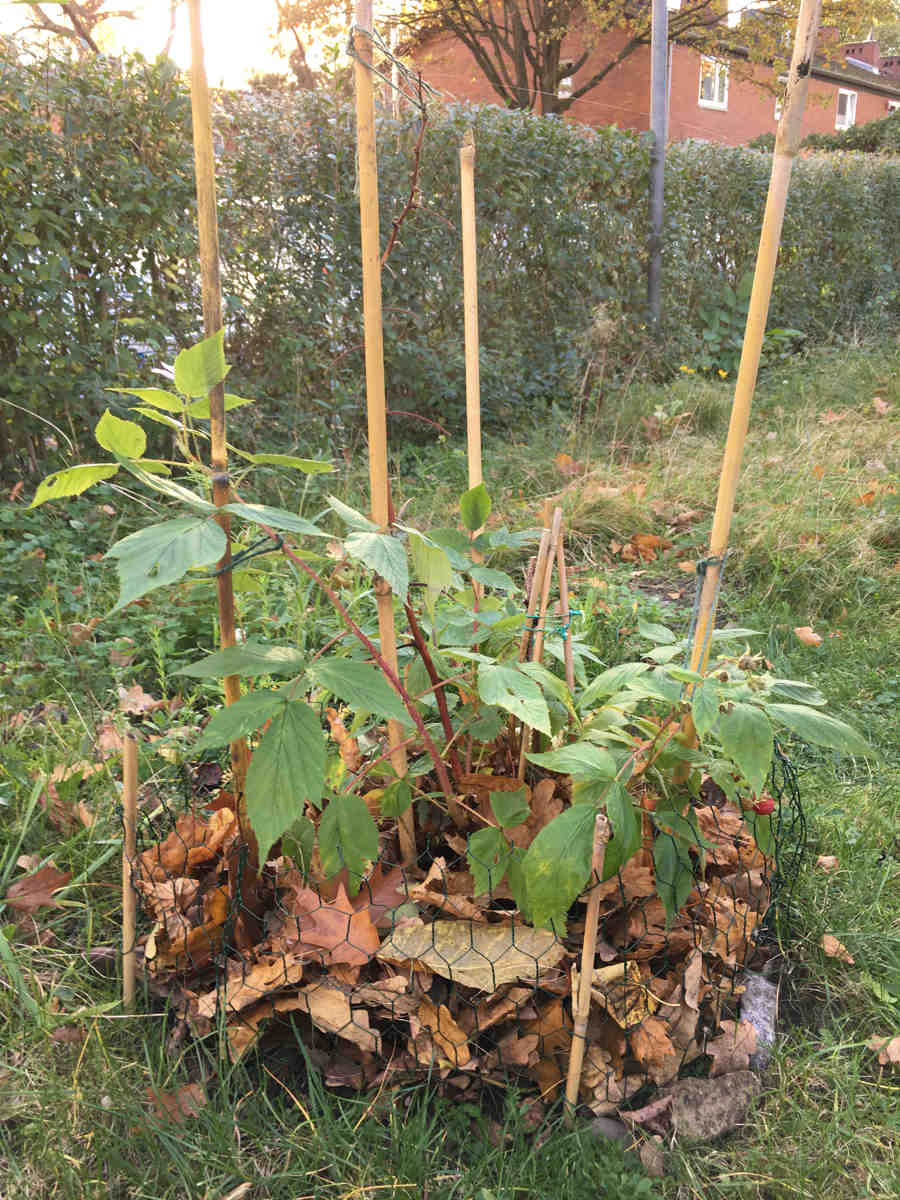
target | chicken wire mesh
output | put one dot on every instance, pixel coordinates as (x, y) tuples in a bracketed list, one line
[(403, 972)]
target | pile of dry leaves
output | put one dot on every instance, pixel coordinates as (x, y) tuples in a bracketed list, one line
[(409, 972)]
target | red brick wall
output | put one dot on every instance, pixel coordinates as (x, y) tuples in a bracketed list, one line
[(623, 98)]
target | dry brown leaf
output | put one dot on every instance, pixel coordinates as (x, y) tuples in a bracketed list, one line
[(881, 406), (329, 1009), (835, 949), (495, 1009), (38, 889), (381, 892), (888, 1050), (349, 747), (828, 862), (442, 889), (620, 989), (479, 956), (731, 1050), (137, 703), (123, 653), (68, 1035), (191, 843), (689, 568), (79, 632), (178, 1106), (567, 465), (654, 1050), (190, 948), (247, 985), (830, 417), (514, 1050), (444, 1031), (807, 636), (392, 994), (333, 931)]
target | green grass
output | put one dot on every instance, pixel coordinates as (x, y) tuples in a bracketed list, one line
[(74, 1119)]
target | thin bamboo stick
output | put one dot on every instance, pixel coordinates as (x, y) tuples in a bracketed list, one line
[(534, 592), (129, 853), (537, 646), (470, 306), (563, 574), (374, 356), (582, 1006), (208, 233), (787, 145)]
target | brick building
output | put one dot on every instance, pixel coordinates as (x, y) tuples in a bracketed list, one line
[(707, 99)]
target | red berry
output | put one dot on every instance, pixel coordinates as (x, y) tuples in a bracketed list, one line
[(764, 806)]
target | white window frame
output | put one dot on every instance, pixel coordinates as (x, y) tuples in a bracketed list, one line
[(718, 72), (566, 85), (893, 105), (850, 119)]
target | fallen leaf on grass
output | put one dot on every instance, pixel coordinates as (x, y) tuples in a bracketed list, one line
[(888, 1050), (807, 636), (329, 1010), (567, 465), (830, 417), (137, 703), (37, 890), (71, 1035), (731, 1050), (828, 862), (835, 949), (881, 406), (479, 956), (654, 1050), (178, 1106), (79, 632), (444, 1031)]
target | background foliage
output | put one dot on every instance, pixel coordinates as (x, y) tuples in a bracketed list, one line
[(98, 272)]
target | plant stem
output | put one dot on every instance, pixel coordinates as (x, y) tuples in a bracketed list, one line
[(436, 682)]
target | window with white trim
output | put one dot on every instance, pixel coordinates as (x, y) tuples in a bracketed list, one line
[(893, 105), (564, 87), (846, 109), (713, 83)]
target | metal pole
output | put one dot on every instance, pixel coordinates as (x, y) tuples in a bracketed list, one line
[(659, 63)]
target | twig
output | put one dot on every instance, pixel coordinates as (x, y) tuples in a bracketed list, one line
[(412, 199), (436, 681)]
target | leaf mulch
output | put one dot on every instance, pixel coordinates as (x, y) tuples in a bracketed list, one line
[(406, 972)]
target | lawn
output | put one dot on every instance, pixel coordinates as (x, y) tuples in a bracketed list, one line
[(816, 543)]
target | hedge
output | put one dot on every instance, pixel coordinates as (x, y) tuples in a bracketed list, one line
[(98, 276)]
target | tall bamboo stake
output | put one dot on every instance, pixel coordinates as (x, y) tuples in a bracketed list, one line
[(564, 610), (129, 852), (470, 306), (537, 645), (787, 144), (375, 390), (208, 232), (582, 1002)]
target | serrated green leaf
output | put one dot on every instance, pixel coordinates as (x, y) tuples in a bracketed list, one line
[(159, 398), (488, 855), (348, 837), (746, 736), (383, 554), (199, 368), (276, 518), (201, 411), (162, 554), (287, 771), (557, 864), (309, 466), (244, 716), (125, 438), (475, 507), (456, 544), (820, 728), (395, 799), (655, 633), (361, 686), (489, 577), (611, 681), (582, 760), (515, 877), (664, 654), (168, 487), (626, 826), (705, 707), (350, 517), (247, 659), (794, 689), (684, 827), (510, 808), (760, 825), (72, 482), (551, 684), (298, 842), (430, 563), (674, 872), (513, 691)]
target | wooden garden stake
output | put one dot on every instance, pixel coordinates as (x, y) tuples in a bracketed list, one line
[(787, 145), (534, 593), (129, 853), (470, 306), (537, 645), (375, 390), (208, 231), (582, 1002), (564, 610)]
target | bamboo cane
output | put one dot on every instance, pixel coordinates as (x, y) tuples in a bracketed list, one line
[(374, 355), (534, 592), (787, 145), (470, 306), (564, 611), (129, 852), (208, 233), (582, 1002), (537, 646)]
